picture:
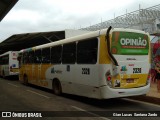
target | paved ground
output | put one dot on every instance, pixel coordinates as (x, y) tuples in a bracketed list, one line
[(152, 96), (15, 96), (153, 91)]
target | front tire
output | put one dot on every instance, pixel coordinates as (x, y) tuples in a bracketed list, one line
[(57, 89)]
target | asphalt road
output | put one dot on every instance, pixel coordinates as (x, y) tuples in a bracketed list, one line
[(18, 98)]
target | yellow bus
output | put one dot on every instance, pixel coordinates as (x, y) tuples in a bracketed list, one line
[(103, 64)]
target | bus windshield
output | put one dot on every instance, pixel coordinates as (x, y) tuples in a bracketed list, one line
[(129, 43)]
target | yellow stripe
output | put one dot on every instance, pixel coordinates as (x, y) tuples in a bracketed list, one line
[(14, 69), (103, 56), (139, 80), (35, 76)]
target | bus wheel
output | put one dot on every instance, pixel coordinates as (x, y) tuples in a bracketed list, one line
[(57, 89), (25, 80)]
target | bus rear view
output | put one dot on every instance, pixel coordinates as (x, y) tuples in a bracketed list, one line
[(130, 75), (9, 64), (102, 64)]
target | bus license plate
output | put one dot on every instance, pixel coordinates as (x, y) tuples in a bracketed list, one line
[(130, 80)]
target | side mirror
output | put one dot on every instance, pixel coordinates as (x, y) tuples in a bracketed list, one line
[(19, 58)]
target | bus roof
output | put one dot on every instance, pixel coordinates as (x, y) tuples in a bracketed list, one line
[(81, 37)]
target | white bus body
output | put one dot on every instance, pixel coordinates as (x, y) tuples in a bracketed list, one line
[(76, 73), (9, 64)]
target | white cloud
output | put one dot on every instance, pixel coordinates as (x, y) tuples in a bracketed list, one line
[(24, 16), (50, 15)]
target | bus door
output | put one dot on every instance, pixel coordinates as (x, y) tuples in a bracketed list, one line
[(21, 66), (69, 59), (36, 67), (131, 52), (33, 73)]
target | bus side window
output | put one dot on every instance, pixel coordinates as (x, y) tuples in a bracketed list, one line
[(6, 59), (56, 54), (69, 53), (31, 57), (87, 51), (37, 57), (46, 55), (25, 58)]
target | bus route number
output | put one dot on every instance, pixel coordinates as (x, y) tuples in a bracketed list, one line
[(136, 70), (86, 71)]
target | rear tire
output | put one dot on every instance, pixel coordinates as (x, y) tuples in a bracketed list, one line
[(57, 89)]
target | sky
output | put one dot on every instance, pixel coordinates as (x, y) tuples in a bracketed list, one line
[(53, 15)]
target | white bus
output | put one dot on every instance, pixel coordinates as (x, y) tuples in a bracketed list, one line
[(9, 64), (103, 64)]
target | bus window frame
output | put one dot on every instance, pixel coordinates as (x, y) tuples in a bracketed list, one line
[(59, 60), (65, 54), (94, 61)]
